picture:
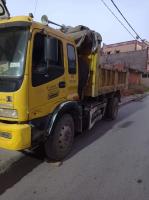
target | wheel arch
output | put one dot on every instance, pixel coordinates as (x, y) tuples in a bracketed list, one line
[(70, 107)]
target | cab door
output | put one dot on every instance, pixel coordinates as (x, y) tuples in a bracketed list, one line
[(72, 72), (47, 80)]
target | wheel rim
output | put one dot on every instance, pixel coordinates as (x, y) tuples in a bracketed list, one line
[(65, 139)]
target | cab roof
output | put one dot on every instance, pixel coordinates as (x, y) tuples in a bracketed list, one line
[(28, 21)]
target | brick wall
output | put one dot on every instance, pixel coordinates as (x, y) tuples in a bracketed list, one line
[(134, 78)]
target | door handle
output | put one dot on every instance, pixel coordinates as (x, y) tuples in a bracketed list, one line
[(62, 84)]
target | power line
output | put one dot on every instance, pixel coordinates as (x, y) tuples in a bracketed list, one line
[(36, 3), (117, 18), (138, 37)]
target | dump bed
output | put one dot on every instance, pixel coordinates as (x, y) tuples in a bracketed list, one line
[(94, 78)]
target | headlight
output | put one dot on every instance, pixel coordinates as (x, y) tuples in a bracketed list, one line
[(8, 113)]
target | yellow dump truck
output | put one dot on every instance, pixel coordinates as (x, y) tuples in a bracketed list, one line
[(52, 85)]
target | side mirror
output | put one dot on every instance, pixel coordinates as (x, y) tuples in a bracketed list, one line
[(51, 49)]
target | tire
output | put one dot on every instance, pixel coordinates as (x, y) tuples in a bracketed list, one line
[(60, 142), (112, 109)]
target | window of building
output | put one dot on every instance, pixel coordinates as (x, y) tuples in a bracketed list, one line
[(144, 75), (117, 51), (44, 70), (71, 59)]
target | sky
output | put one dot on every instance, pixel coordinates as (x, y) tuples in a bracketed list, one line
[(89, 13)]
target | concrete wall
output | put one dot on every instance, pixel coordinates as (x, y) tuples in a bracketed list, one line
[(136, 60), (122, 47), (112, 50)]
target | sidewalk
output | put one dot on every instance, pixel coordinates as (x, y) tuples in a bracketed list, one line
[(8, 158), (128, 99)]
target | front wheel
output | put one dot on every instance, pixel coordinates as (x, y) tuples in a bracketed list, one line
[(59, 143)]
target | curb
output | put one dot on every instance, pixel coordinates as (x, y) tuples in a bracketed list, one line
[(134, 98), (141, 97)]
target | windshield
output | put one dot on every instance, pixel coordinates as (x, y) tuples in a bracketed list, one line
[(13, 42)]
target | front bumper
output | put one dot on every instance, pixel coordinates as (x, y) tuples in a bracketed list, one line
[(15, 136)]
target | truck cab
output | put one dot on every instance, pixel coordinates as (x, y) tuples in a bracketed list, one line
[(38, 72), (52, 85)]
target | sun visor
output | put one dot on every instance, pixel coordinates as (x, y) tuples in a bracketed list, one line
[(4, 13)]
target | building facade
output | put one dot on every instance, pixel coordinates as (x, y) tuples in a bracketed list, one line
[(135, 76), (133, 45)]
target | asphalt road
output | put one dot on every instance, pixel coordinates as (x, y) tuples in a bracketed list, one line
[(111, 162)]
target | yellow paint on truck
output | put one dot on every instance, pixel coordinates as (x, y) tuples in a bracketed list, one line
[(35, 101), (15, 136)]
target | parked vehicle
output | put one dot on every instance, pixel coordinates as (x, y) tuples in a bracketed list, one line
[(52, 85)]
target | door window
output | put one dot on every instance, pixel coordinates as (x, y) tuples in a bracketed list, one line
[(44, 70), (71, 59)]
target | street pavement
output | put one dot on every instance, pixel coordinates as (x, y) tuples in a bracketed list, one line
[(110, 162), (8, 158)]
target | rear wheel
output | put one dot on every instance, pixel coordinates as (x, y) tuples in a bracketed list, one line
[(60, 142), (112, 108)]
